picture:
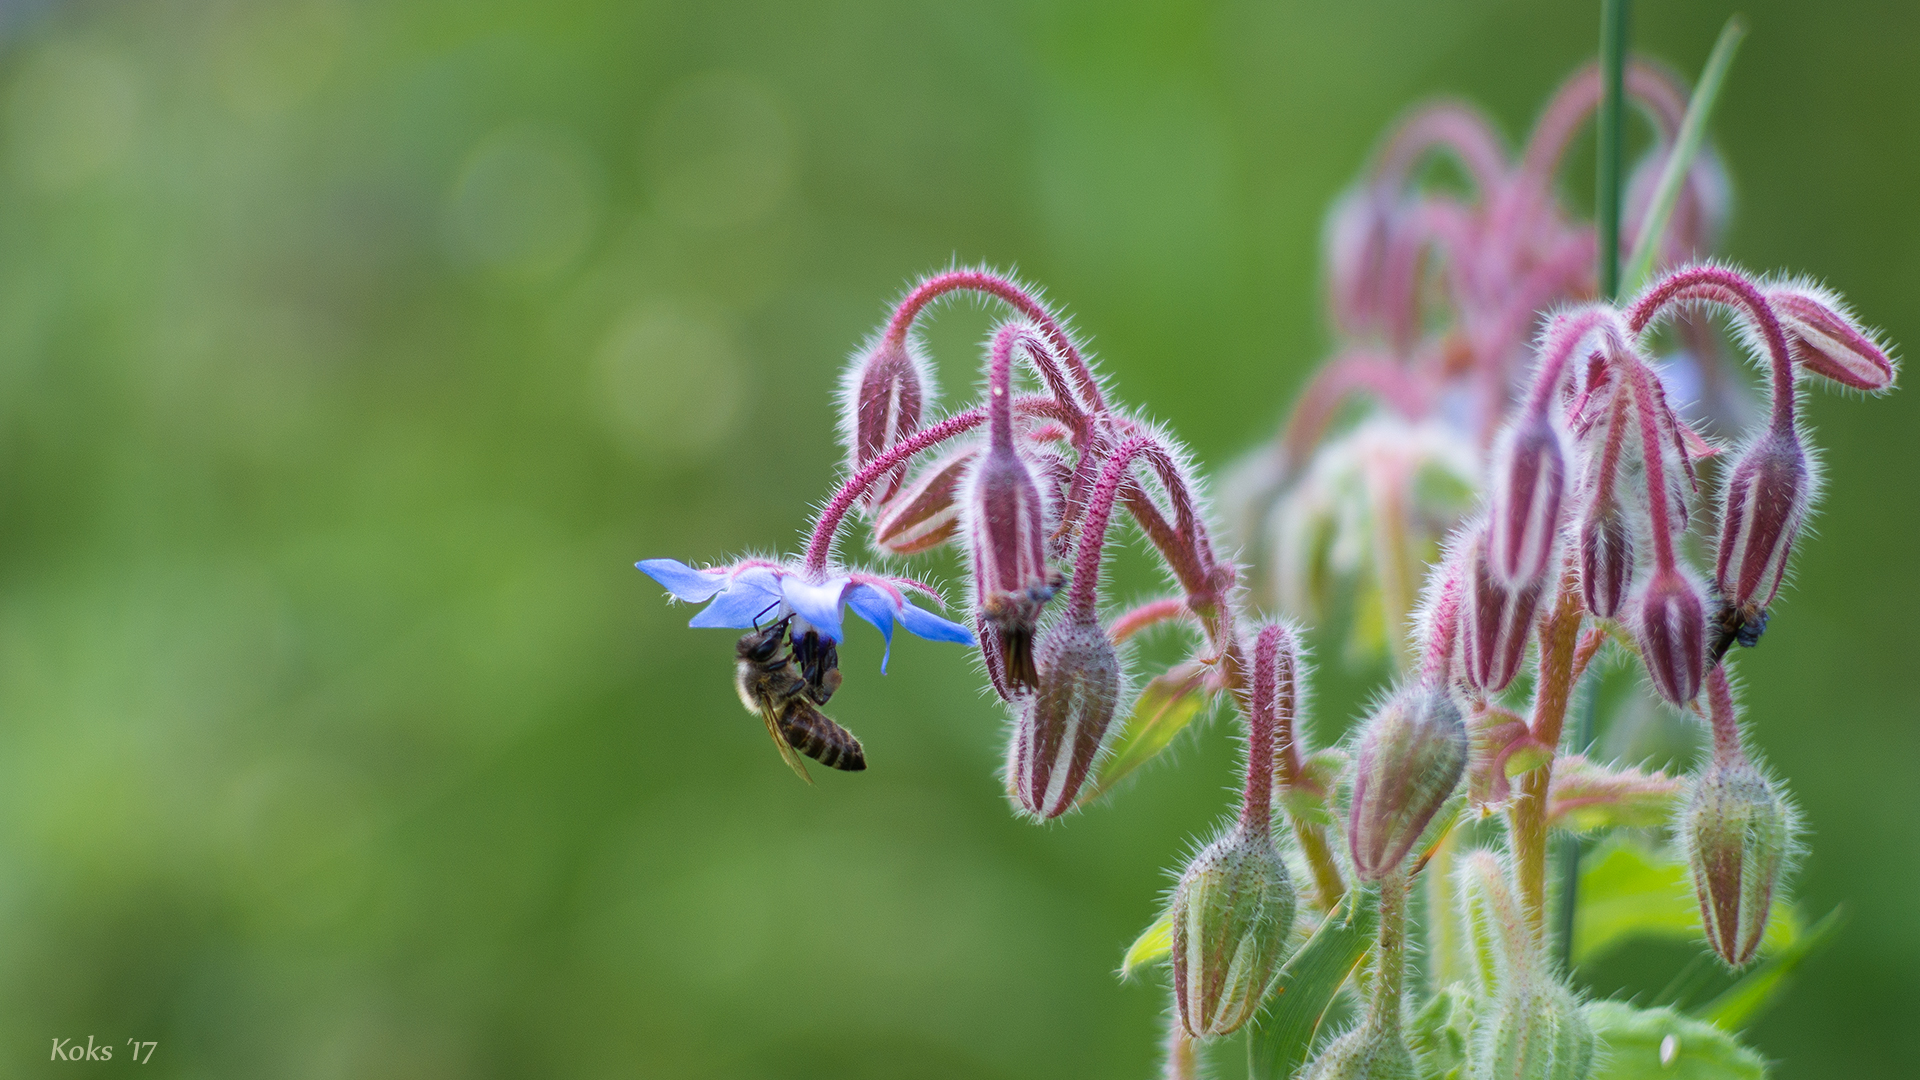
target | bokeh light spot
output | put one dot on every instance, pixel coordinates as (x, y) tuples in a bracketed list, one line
[(670, 380), (721, 152), (526, 203)]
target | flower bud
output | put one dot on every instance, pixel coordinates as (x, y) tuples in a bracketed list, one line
[(884, 394), (1412, 753), (1529, 479), (1606, 558), (1824, 339), (1231, 915), (1764, 500), (1498, 623), (1368, 1052), (1062, 725), (1673, 635), (926, 512), (1007, 533), (1738, 833), (1537, 1031)]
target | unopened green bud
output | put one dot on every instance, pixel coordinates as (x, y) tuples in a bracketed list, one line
[(1738, 833), (1369, 1052), (1232, 912), (1412, 753), (1535, 1031)]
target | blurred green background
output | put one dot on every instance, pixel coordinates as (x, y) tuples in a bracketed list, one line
[(350, 353)]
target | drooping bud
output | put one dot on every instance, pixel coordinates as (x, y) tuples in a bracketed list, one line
[(1738, 833), (1673, 635), (1007, 534), (1606, 558), (1498, 624), (1412, 754), (1061, 726), (1529, 480), (1765, 499), (1231, 915), (1368, 1052), (1823, 338), (926, 512), (883, 397)]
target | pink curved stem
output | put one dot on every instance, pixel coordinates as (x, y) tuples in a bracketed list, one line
[(1647, 403), (1013, 296), (1722, 718), (1719, 285), (1114, 477), (1152, 613), (1270, 743), (1351, 373), (1445, 125)]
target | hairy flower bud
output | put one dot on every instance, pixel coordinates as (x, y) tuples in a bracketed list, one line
[(1062, 725), (883, 397), (1231, 915), (1368, 1052), (1673, 635), (1763, 503), (1529, 480), (1498, 623), (1537, 1030), (1412, 753), (1824, 339), (1007, 534), (926, 512), (1738, 833), (1606, 558)]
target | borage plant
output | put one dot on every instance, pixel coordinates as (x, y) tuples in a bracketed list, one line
[(1568, 538)]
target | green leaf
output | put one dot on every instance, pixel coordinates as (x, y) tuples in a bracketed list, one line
[(1586, 796), (1279, 1038), (1744, 1000), (1660, 1044), (1628, 890), (1153, 943), (1686, 146), (1165, 707)]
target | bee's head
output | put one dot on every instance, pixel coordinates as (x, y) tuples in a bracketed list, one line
[(763, 643)]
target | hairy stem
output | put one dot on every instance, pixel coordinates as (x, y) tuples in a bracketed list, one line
[(1013, 296), (1559, 640)]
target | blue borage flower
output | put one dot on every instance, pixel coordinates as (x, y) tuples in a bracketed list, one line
[(758, 591)]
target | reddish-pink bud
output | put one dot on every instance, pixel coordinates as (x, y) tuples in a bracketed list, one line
[(1007, 534), (1529, 480), (1673, 635), (1499, 621), (884, 394), (1606, 558), (1823, 338), (1412, 754), (1762, 505), (926, 512), (1062, 725)]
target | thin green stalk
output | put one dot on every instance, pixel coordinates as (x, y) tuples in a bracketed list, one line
[(1614, 18), (1686, 147)]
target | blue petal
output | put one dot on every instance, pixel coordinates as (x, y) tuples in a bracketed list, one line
[(818, 604), (744, 602), (932, 627), (877, 608), (683, 581)]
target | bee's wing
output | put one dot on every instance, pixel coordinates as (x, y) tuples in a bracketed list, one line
[(786, 749)]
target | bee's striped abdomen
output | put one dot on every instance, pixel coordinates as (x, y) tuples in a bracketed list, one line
[(813, 734)]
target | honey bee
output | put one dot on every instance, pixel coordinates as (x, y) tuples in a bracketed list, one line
[(785, 685), (1729, 624)]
